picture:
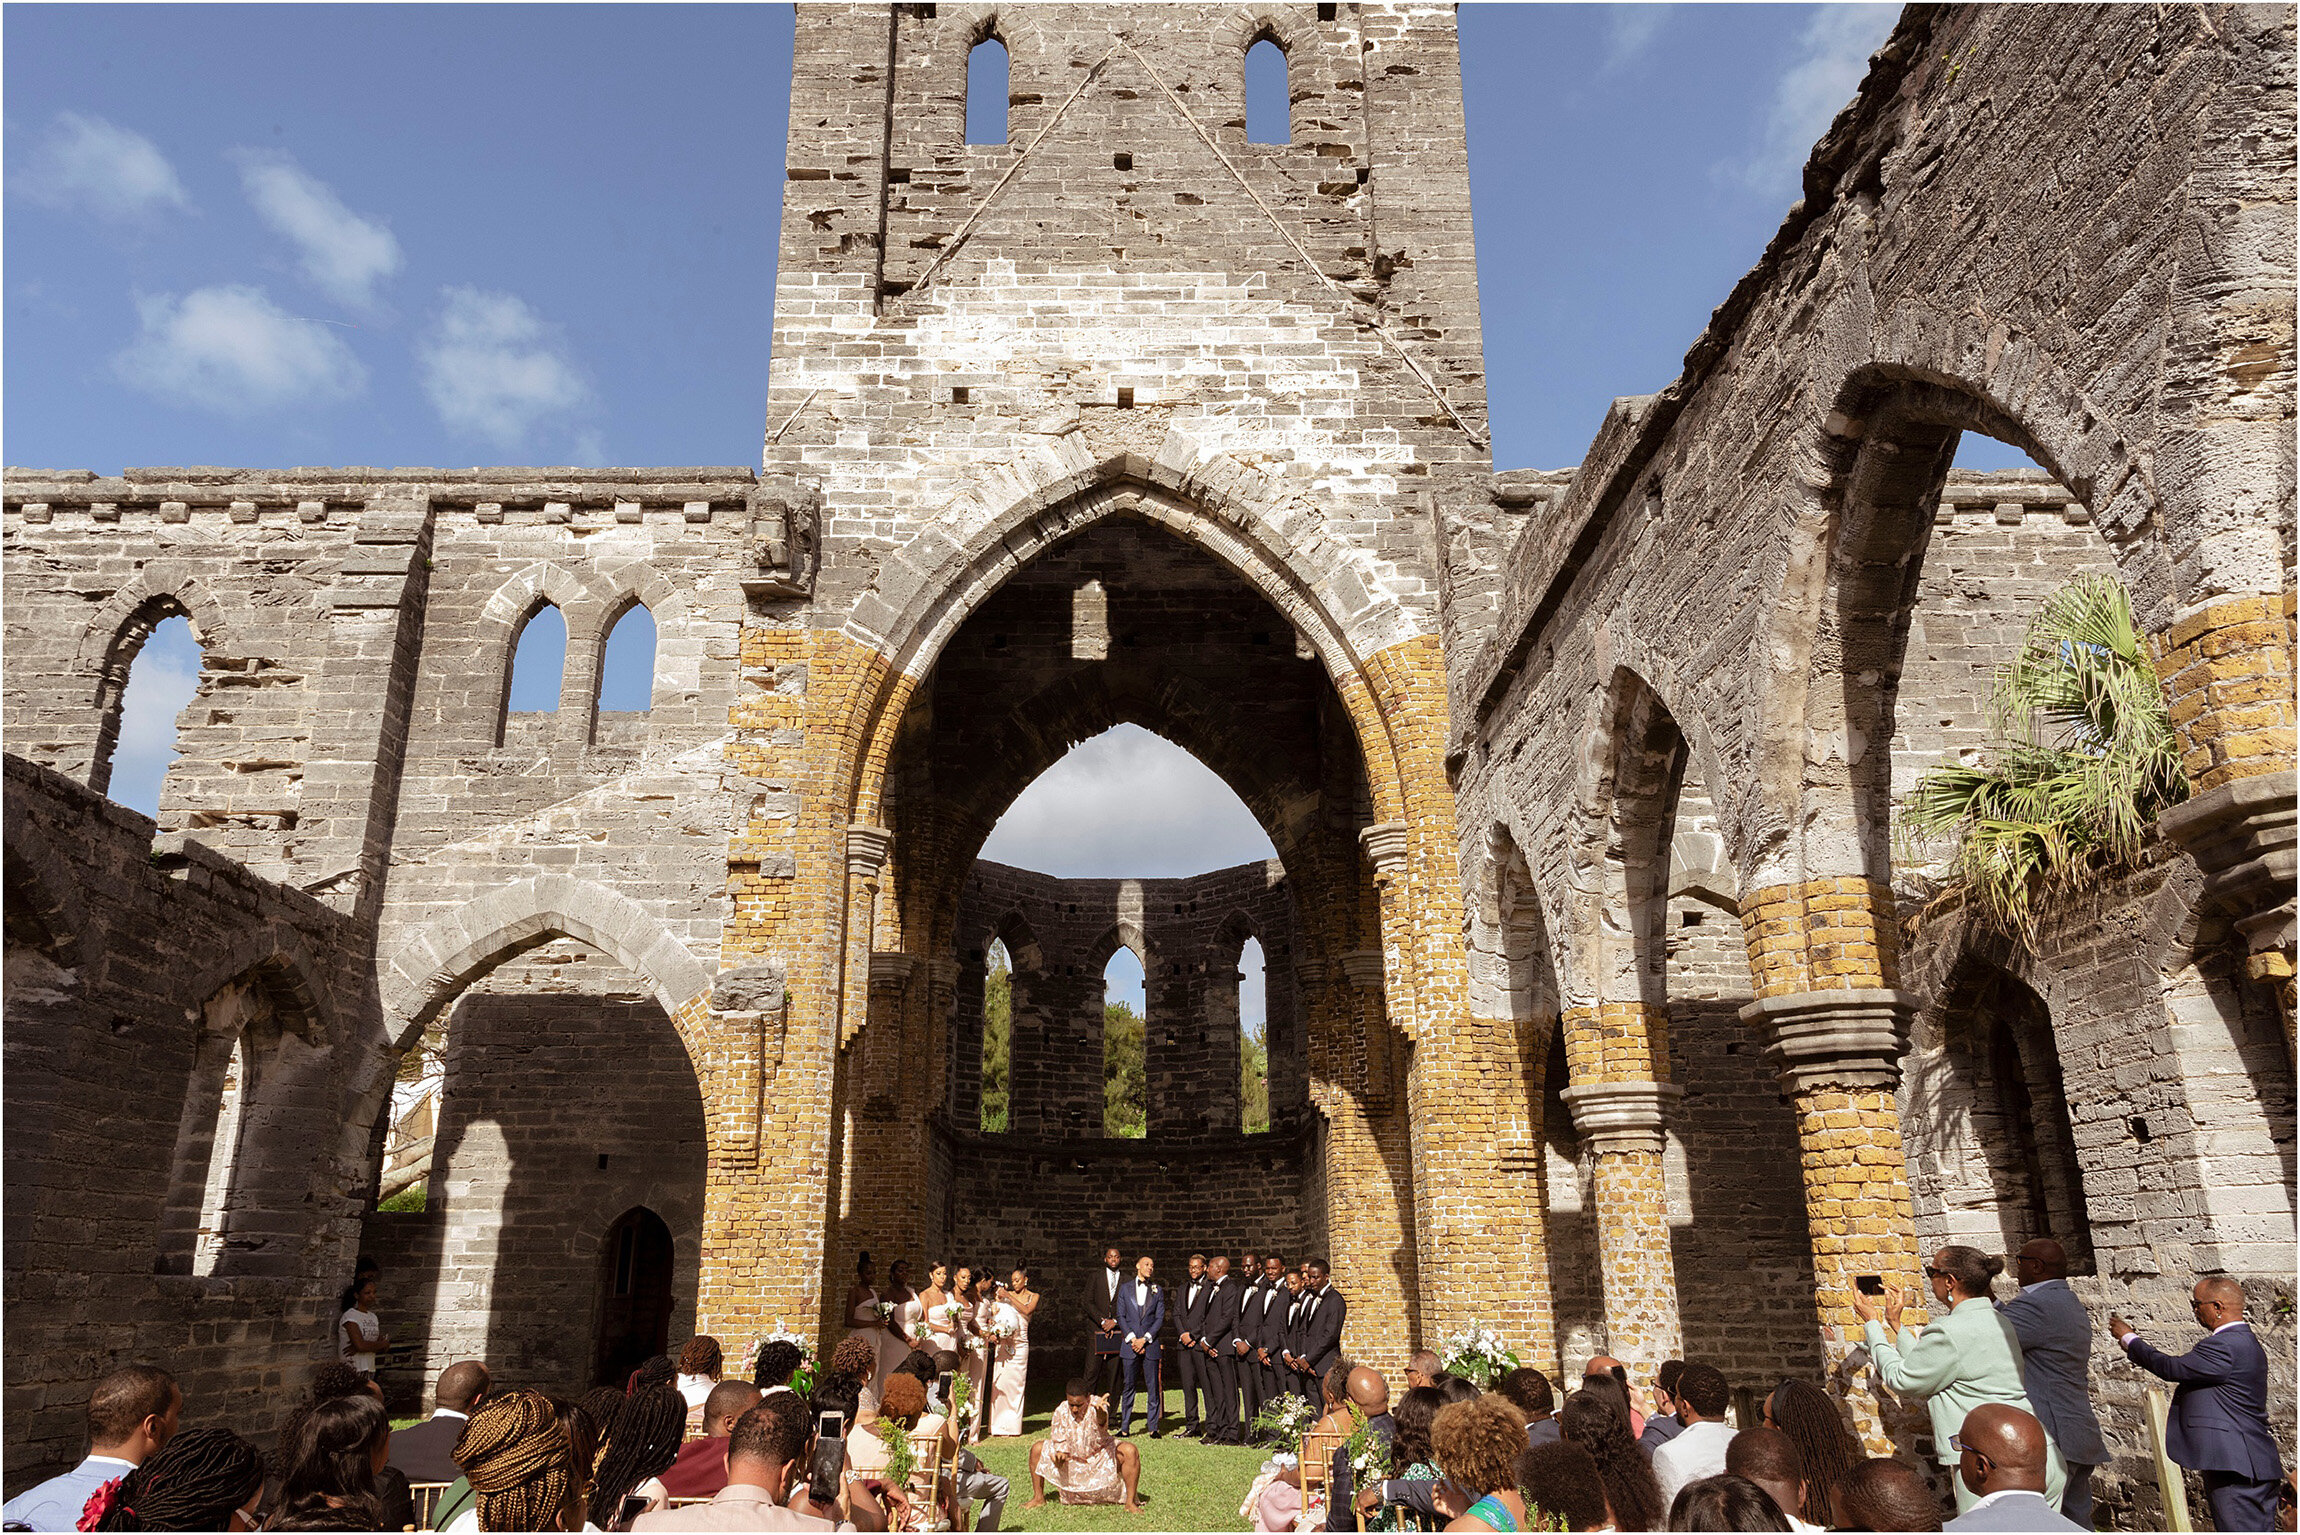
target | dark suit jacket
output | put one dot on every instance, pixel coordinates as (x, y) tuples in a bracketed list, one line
[(1290, 1337), (1322, 1333), (1191, 1318), (1141, 1321), (1266, 1320), (1222, 1317), (2220, 1406), (1100, 1307), (1341, 1511), (422, 1452)]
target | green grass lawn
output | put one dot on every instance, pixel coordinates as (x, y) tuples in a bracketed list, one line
[(1185, 1485)]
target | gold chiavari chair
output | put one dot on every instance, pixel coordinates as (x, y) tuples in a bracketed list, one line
[(425, 1496)]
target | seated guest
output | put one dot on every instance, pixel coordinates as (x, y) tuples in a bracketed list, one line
[(901, 1403), (700, 1468), (1530, 1392), (1603, 1367), (1561, 1486), (1423, 1370), (1882, 1494), (340, 1444), (1815, 1424), (855, 1359), (425, 1453), (1699, 1451), (647, 1439), (700, 1364), (1370, 1396), (1080, 1460), (1593, 1420), (603, 1405), (521, 1467), (131, 1413), (970, 1483), (1769, 1458), (1477, 1445), (660, 1370), (2001, 1456), (1412, 1459), (779, 1359), (1725, 1503), (336, 1382), (766, 1453), (1662, 1424), (202, 1479)]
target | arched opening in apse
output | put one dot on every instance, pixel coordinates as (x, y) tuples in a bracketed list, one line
[(1253, 1040), (1125, 1047), (1269, 109), (538, 670), (986, 92), (997, 1037), (163, 679), (627, 666)]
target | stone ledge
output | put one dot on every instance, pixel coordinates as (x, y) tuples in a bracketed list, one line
[(1835, 1039)]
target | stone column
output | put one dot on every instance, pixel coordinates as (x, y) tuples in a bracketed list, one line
[(1364, 969), (1619, 1118), (1823, 958), (2241, 834)]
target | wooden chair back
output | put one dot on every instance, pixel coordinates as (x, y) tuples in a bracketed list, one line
[(1317, 1471), (425, 1496), (933, 1486)]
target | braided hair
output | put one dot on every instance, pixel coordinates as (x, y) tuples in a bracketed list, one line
[(1815, 1424), (856, 1358), (604, 1405), (701, 1356), (646, 1442), (657, 1371), (196, 1481), (515, 1454)]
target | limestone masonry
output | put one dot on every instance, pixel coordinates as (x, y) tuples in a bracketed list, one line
[(1605, 1008)]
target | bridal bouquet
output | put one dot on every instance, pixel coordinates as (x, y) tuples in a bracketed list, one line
[(1478, 1355), (1004, 1326), (886, 1313)]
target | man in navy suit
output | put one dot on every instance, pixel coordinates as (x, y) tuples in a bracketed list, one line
[(1141, 1314), (2219, 1407), (2055, 1341)]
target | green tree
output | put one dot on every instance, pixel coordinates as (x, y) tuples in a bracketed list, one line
[(997, 1038), (1125, 1085), (1253, 1080), (2081, 758)]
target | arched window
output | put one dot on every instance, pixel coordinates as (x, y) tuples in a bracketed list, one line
[(138, 743), (2018, 1161), (1125, 1074), (538, 666), (1269, 107), (1253, 1041), (627, 667), (997, 1037), (986, 74)]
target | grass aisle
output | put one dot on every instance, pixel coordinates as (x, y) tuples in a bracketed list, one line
[(1185, 1485)]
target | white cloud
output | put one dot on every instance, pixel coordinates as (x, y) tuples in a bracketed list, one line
[(1832, 56), (344, 255), (161, 681), (86, 162), (493, 368), (1630, 30), (1127, 804), (231, 349)]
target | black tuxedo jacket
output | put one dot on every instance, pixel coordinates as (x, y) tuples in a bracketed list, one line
[(1264, 1321), (1290, 1336), (1222, 1316), (1322, 1333), (1102, 1306), (1189, 1316)]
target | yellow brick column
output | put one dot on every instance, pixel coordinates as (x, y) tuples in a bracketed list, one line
[(1824, 963), (1617, 1054), (2227, 673)]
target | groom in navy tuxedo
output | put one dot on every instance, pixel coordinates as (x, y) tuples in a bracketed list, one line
[(1141, 1314)]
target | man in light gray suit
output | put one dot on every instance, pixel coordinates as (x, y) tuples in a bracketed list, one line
[(2000, 1460), (2055, 1336)]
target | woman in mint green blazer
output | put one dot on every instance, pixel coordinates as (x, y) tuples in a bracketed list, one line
[(1966, 1356)]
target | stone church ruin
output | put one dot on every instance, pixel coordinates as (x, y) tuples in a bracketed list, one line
[(1604, 1006)]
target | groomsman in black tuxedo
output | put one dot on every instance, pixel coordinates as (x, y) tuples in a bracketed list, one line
[(1243, 1343), (1323, 1315), (1299, 1381), (1101, 1297), (1222, 1358), (1190, 1333)]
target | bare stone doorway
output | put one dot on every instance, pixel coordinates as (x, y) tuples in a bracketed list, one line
[(635, 1295)]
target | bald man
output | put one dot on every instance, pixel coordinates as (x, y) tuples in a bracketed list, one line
[(2001, 1461), (2219, 1423), (2055, 1342), (1369, 1394)]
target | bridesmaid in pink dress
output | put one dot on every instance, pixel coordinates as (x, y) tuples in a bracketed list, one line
[(1010, 1363), (966, 1290)]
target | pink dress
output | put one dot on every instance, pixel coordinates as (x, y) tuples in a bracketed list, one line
[(1009, 1371), (977, 1347), (1091, 1473)]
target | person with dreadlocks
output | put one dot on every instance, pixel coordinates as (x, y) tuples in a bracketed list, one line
[(700, 1364), (339, 1446), (202, 1479), (657, 1371), (646, 1441), (520, 1461), (603, 1405)]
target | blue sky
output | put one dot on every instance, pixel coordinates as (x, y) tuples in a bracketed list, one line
[(467, 234)]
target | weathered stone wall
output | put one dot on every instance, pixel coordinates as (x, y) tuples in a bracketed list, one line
[(130, 968), (568, 1100)]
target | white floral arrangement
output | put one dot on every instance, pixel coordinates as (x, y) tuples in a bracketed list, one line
[(802, 1379), (885, 1311), (1004, 1325), (1478, 1355)]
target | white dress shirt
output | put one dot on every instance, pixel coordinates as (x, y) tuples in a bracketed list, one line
[(1141, 1301)]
